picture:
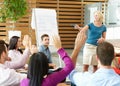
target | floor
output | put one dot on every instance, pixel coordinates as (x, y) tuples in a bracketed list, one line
[(59, 62)]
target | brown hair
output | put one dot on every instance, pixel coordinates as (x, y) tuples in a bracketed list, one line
[(105, 53), (44, 35), (2, 47)]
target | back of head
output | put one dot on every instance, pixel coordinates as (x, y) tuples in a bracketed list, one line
[(105, 53), (2, 47), (37, 69), (44, 35), (13, 42)]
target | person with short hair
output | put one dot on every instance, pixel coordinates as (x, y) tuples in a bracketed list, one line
[(105, 75), (44, 47)]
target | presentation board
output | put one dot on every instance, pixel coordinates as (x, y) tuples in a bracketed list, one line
[(44, 21)]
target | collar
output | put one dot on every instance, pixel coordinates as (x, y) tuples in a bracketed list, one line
[(44, 47), (105, 70)]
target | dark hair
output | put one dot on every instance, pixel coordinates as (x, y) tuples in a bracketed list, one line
[(2, 47), (44, 35), (3, 42), (105, 53), (13, 42), (37, 69)]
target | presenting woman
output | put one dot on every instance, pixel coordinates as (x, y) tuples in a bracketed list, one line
[(96, 33)]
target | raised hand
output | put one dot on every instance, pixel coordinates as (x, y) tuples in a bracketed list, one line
[(27, 41), (100, 40), (77, 27), (56, 41)]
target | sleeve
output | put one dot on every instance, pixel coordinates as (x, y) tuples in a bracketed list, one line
[(26, 53), (105, 29), (24, 82), (90, 24), (79, 78), (12, 78), (40, 49), (56, 77), (20, 63), (11, 54), (73, 78), (49, 56)]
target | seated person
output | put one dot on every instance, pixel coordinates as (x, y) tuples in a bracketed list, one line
[(38, 68), (105, 75), (3, 42), (45, 49), (18, 60), (8, 77)]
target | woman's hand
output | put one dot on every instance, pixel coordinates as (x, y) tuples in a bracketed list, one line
[(56, 41), (77, 27), (27, 41), (100, 40)]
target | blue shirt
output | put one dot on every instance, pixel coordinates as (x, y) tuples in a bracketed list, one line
[(102, 77), (46, 51), (94, 33)]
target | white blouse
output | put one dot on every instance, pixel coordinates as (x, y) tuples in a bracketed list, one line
[(9, 77)]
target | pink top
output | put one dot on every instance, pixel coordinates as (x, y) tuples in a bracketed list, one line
[(56, 77)]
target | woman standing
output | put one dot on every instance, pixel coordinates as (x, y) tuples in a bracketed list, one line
[(96, 34)]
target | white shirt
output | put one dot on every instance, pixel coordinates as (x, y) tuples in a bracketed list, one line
[(18, 59), (9, 77)]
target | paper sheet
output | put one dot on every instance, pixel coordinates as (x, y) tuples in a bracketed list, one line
[(44, 21)]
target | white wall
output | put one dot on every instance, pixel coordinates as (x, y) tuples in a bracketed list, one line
[(113, 33)]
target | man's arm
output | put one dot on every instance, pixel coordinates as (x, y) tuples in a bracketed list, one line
[(11, 78), (79, 42)]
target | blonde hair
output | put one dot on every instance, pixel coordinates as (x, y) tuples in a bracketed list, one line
[(100, 15)]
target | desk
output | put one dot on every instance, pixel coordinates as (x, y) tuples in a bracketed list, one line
[(21, 71)]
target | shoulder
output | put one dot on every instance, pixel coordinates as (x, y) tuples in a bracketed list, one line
[(41, 47), (6, 73), (11, 51), (104, 27), (90, 24), (80, 78)]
